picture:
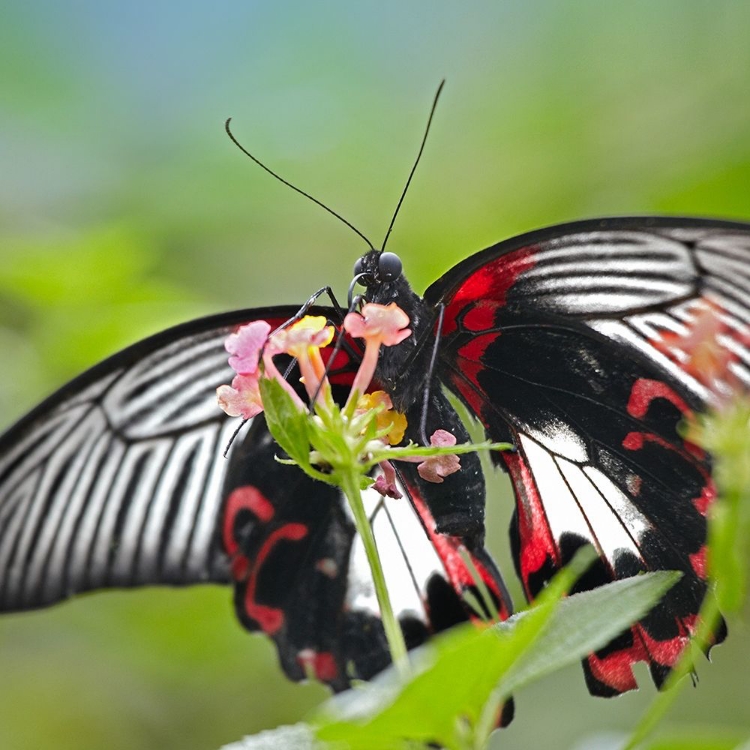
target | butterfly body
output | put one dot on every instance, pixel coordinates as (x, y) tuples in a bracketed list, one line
[(558, 341)]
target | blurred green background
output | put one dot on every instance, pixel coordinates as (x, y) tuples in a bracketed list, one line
[(124, 209)]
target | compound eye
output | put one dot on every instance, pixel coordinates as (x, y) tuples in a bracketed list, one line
[(389, 267), (358, 267)]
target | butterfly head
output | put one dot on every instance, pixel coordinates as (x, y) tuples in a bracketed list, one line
[(381, 274), (376, 268)]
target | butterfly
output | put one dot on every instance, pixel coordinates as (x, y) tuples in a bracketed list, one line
[(563, 342)]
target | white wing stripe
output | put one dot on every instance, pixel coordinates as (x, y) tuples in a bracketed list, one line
[(120, 481)]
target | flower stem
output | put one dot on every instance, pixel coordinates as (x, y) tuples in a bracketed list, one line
[(392, 629)]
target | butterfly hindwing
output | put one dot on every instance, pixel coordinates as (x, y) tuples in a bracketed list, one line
[(301, 574), (554, 339)]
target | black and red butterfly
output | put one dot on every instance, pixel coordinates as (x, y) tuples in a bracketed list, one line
[(552, 339)]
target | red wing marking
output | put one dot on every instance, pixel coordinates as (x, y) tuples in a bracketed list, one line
[(666, 652), (470, 365), (270, 619), (537, 545), (244, 498), (634, 441), (474, 351), (698, 562), (481, 316), (708, 495), (490, 282), (616, 669), (321, 666), (449, 549), (645, 390)]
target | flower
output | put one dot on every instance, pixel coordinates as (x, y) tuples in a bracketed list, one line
[(246, 345), (387, 418), (378, 325), (700, 351), (385, 483), (303, 341), (242, 398), (434, 468)]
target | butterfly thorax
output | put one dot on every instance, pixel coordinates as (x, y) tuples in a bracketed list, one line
[(403, 369)]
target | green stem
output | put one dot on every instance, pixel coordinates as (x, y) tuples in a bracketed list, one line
[(390, 624)]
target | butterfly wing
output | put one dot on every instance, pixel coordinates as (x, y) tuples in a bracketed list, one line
[(119, 480), (301, 572), (116, 479), (554, 340)]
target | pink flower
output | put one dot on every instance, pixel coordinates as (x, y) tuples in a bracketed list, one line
[(376, 324), (385, 483), (700, 352), (242, 398), (303, 341), (245, 346), (434, 468)]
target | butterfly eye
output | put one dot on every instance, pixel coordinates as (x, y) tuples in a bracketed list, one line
[(357, 267), (389, 267)]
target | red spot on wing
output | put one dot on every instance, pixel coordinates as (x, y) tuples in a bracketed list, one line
[(343, 368), (243, 498), (473, 351), (698, 562), (665, 652), (634, 441), (708, 495), (321, 665), (450, 550), (537, 545), (490, 282), (481, 316), (469, 361), (270, 619), (645, 390), (616, 669)]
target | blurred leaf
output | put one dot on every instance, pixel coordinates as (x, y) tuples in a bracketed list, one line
[(585, 622), (297, 737), (456, 677), (725, 435)]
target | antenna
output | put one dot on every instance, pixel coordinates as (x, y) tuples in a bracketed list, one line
[(294, 187), (414, 168)]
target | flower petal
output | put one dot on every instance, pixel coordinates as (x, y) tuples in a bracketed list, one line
[(385, 483), (242, 398), (434, 468), (385, 324), (245, 346)]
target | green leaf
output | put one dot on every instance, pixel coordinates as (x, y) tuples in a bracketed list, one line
[(296, 737), (726, 435), (287, 423), (464, 668), (585, 622), (446, 698)]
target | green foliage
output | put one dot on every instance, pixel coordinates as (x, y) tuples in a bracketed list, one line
[(461, 679), (724, 433)]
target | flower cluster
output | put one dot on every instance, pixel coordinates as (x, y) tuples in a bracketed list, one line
[(366, 413), (703, 351)]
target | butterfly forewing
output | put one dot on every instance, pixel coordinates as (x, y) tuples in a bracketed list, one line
[(116, 480)]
